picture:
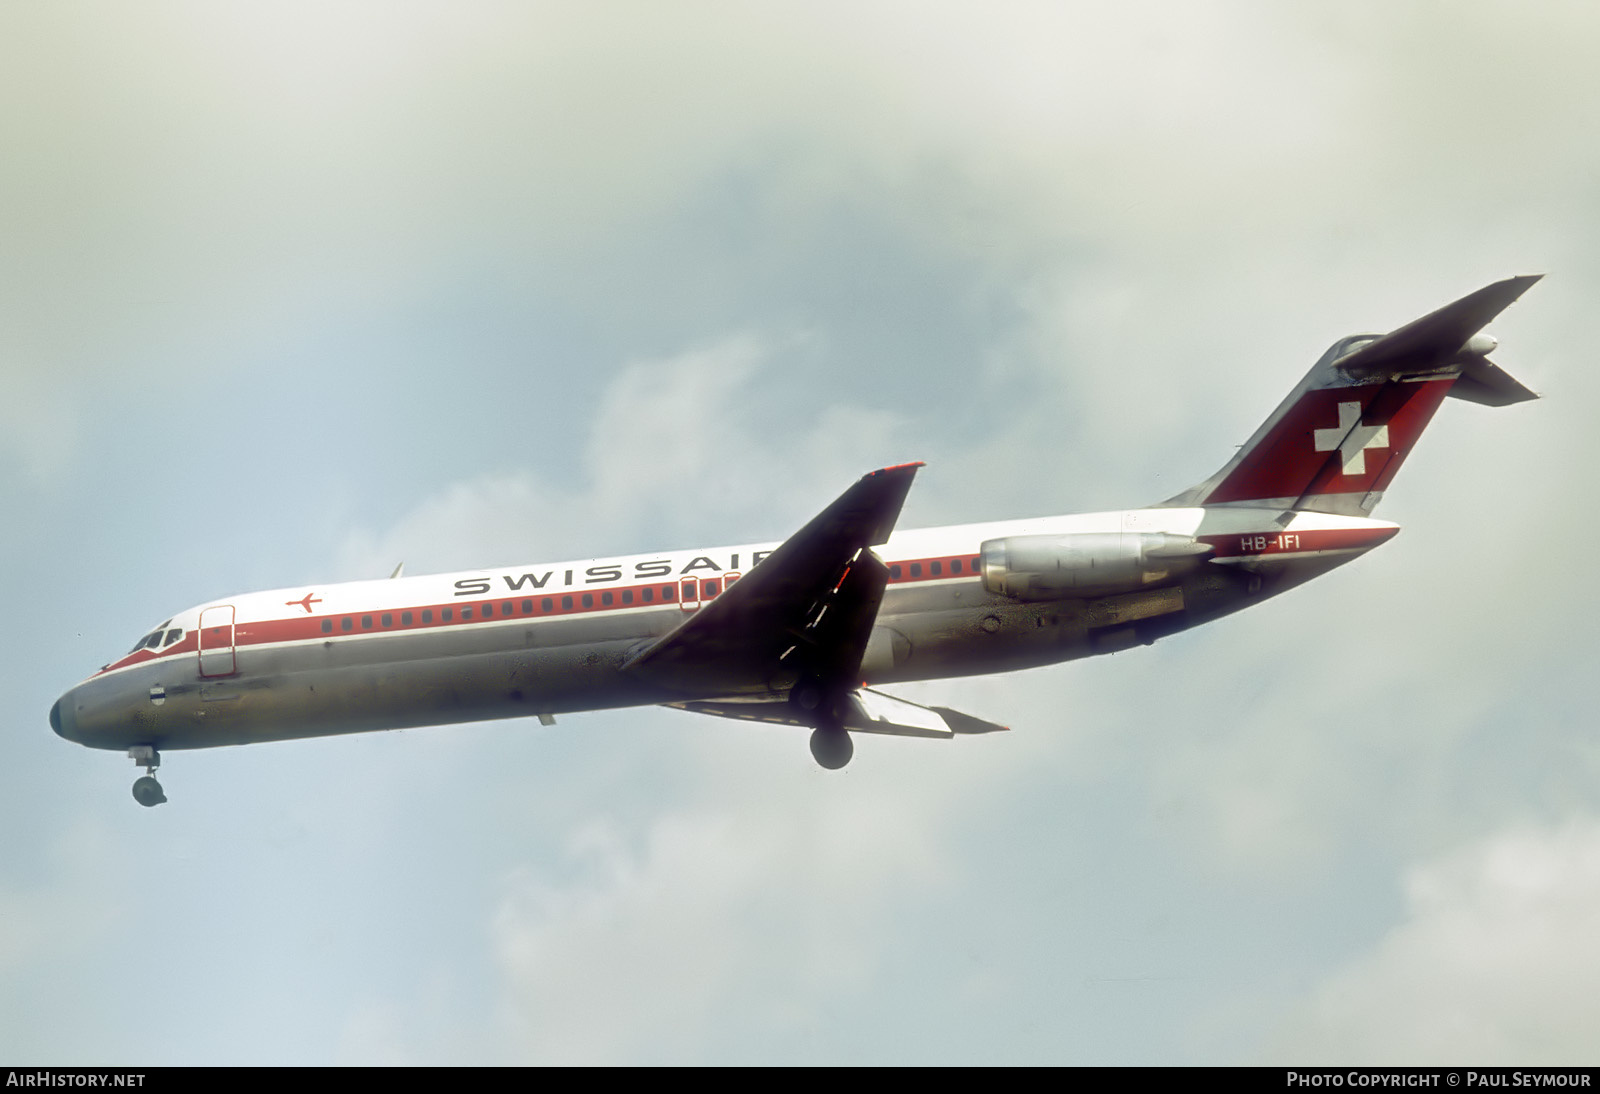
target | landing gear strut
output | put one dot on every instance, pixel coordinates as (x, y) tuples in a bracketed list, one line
[(146, 790)]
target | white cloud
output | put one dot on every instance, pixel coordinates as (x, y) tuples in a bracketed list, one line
[(654, 946), (1495, 963), (677, 446)]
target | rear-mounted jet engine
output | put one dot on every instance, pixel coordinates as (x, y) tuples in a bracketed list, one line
[(1087, 563)]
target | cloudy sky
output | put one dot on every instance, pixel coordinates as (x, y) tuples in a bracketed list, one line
[(295, 291)]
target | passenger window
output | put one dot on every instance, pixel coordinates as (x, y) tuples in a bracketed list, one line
[(346, 623), (566, 603), (388, 619), (427, 615), (627, 596), (488, 610), (894, 571), (527, 607), (366, 622), (666, 592), (546, 604), (916, 569), (446, 614), (935, 568), (955, 565), (605, 599), (327, 626), (648, 595), (508, 608), (710, 588), (688, 589), (405, 619), (466, 612), (588, 600), (977, 565)]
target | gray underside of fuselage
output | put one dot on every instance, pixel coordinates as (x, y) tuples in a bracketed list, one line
[(485, 671)]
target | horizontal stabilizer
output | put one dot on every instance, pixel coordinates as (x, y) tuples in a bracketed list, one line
[(866, 711), (1486, 383), (1429, 342)]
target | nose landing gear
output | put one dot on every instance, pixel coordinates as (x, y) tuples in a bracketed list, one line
[(146, 790)]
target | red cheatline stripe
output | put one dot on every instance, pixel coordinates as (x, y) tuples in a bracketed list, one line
[(304, 628), (1254, 544)]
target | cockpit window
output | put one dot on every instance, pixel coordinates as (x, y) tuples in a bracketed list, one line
[(153, 640)]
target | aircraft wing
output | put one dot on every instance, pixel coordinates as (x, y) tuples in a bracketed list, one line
[(807, 609), (865, 711)]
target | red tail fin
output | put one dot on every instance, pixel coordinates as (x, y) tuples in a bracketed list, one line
[(1337, 441), (1334, 447)]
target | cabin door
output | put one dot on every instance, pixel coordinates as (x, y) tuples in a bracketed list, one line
[(216, 641)]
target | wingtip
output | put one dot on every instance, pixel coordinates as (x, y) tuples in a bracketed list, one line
[(912, 466)]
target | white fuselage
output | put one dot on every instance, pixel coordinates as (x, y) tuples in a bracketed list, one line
[(552, 638)]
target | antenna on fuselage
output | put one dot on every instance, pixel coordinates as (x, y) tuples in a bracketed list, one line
[(398, 569)]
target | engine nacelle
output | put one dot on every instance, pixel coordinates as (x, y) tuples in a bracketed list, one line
[(1087, 563)]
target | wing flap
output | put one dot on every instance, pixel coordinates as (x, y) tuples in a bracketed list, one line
[(865, 711)]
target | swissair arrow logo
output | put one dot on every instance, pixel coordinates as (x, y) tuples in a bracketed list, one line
[(1351, 438)]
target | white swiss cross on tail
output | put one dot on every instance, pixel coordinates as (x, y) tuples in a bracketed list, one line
[(1351, 438)]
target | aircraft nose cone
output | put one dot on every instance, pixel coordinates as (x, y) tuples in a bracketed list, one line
[(62, 722)]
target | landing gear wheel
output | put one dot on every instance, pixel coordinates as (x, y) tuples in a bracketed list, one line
[(831, 747), (147, 791)]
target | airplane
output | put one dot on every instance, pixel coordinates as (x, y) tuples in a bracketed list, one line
[(805, 632)]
